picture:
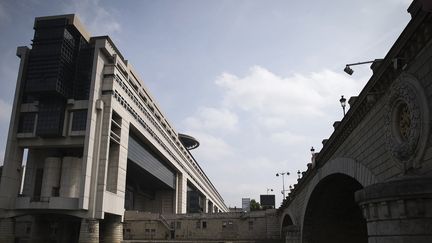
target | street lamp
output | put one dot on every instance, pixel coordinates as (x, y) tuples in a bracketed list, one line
[(269, 189), (349, 71), (343, 103), (312, 150), (283, 181)]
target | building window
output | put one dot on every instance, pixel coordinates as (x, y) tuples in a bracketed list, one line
[(38, 185), (178, 226), (224, 224), (27, 122), (55, 191), (79, 120), (198, 225), (204, 224)]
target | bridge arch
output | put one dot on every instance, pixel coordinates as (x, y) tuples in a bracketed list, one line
[(289, 229), (332, 215), (331, 192)]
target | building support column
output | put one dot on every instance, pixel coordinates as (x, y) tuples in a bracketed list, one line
[(210, 207), (11, 179), (291, 234), (89, 231), (205, 206), (7, 230), (398, 210), (113, 232), (181, 194)]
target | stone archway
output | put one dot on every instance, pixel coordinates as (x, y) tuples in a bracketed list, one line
[(332, 215), (289, 231)]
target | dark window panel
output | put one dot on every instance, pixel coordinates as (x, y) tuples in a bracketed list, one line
[(79, 120)]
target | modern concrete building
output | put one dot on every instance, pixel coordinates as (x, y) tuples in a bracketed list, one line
[(97, 144)]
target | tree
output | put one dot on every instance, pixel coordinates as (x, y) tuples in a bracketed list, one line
[(254, 205)]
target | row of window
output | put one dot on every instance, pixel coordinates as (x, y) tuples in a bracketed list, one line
[(203, 224), (28, 120)]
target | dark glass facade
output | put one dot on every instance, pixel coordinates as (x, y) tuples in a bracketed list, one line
[(27, 122), (59, 68), (79, 120)]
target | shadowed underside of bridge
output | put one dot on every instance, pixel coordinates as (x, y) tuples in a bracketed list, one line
[(332, 214)]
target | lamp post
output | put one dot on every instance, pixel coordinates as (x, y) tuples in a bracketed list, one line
[(312, 150), (348, 69), (269, 189), (283, 181), (343, 103)]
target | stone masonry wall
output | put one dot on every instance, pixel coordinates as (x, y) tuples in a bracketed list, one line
[(221, 226)]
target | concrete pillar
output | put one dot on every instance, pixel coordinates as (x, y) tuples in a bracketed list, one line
[(7, 230), (11, 181), (29, 173), (89, 231), (210, 207), (113, 231), (70, 177), (291, 234), (181, 193), (205, 206), (398, 210), (51, 176)]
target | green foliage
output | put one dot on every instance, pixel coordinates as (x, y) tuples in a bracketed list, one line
[(254, 205)]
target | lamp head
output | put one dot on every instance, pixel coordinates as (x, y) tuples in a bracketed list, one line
[(348, 70), (342, 101)]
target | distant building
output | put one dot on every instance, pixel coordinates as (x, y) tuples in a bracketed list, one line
[(246, 204), (267, 201)]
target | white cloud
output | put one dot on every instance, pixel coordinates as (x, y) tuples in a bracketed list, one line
[(268, 94), (98, 19), (287, 138), (270, 122), (211, 148), (208, 118)]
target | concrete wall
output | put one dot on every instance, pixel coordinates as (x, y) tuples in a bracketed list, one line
[(258, 225)]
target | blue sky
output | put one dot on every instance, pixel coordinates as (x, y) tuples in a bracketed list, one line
[(258, 82)]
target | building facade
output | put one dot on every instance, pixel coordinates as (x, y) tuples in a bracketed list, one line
[(95, 144), (245, 227)]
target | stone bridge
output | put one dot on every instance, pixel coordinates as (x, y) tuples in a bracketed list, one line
[(372, 180)]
